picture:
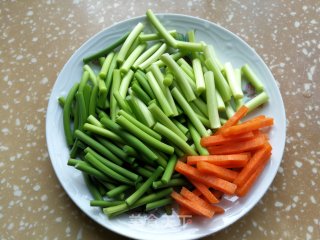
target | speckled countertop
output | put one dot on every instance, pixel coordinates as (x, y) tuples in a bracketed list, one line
[(38, 37)]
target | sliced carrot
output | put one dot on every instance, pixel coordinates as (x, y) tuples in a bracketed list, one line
[(217, 194), (247, 127), (227, 161), (194, 198), (204, 190), (217, 171), (257, 133), (244, 189), (192, 205), (183, 211), (210, 181), (248, 154), (219, 139), (186, 211), (259, 117), (235, 118), (217, 209), (240, 147), (253, 164), (197, 192)]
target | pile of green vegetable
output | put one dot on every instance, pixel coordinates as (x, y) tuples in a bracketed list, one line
[(155, 96)]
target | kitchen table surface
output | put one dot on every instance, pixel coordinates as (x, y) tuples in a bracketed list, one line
[(38, 37)]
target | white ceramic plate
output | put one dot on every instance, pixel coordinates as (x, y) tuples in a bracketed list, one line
[(229, 47)]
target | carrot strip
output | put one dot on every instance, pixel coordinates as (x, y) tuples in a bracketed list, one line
[(217, 171), (217, 194), (244, 189), (192, 205), (235, 118), (194, 198), (227, 161), (247, 127), (217, 209), (256, 132), (210, 181), (256, 160), (186, 211), (204, 190), (197, 192), (191, 196), (255, 118), (249, 145), (183, 211), (219, 139)]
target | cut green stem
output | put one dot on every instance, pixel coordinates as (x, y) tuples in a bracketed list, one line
[(155, 36), (158, 203), (189, 112), (233, 82), (257, 101), (220, 81), (169, 169), (162, 118), (161, 29), (174, 138), (196, 139), (102, 132), (198, 75), (67, 113), (154, 57), (107, 50), (146, 138), (128, 42), (98, 146), (129, 139), (212, 100), (252, 78), (139, 125), (159, 94), (132, 58), (144, 187), (180, 77)]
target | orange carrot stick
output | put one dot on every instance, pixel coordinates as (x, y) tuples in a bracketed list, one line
[(227, 161), (249, 145), (245, 188), (210, 181), (190, 195), (197, 192), (192, 205), (218, 194), (186, 212), (256, 160), (183, 211), (217, 171), (247, 127), (217, 209), (255, 118), (235, 118), (204, 190), (194, 198), (219, 139)]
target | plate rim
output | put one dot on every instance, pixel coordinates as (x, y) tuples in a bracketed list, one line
[(142, 17)]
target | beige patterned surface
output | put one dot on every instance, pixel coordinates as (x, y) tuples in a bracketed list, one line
[(38, 37)]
